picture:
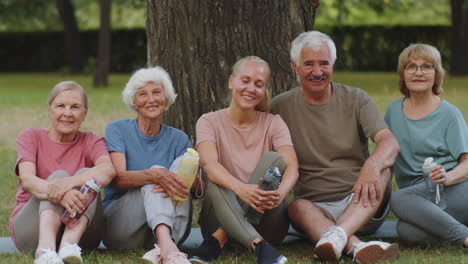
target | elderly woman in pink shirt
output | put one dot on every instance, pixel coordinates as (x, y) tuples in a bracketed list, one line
[(237, 146), (53, 163)]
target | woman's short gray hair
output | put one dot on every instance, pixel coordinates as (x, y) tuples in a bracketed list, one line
[(312, 39), (146, 75), (67, 86)]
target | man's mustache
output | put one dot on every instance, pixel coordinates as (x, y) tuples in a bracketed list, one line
[(317, 78)]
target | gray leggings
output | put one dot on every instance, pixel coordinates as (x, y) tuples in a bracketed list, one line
[(221, 208), (26, 223), (423, 222)]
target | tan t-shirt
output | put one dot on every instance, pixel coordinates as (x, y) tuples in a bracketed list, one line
[(240, 148), (330, 139)]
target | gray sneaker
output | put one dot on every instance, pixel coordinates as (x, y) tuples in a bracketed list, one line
[(266, 254)]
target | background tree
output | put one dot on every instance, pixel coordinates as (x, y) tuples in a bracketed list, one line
[(198, 42), (459, 58), (104, 45), (72, 35)]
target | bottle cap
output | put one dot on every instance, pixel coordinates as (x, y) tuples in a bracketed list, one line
[(93, 184), (428, 161), (192, 152)]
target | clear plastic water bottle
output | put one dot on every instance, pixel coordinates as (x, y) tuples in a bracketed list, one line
[(89, 191), (435, 191), (186, 168), (270, 181)]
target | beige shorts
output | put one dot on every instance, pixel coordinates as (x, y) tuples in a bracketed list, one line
[(337, 208)]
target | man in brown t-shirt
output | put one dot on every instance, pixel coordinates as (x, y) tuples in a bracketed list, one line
[(341, 188)]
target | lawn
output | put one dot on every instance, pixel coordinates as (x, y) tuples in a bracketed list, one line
[(23, 104)]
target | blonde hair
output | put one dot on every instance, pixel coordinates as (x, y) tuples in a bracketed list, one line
[(420, 51), (264, 105), (68, 86)]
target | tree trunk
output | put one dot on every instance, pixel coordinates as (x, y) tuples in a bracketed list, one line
[(198, 41), (458, 58), (103, 56), (72, 35)]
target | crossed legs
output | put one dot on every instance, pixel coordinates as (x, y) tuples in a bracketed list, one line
[(314, 221)]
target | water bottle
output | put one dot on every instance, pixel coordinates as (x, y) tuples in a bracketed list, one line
[(186, 168), (435, 191), (89, 191), (270, 181)]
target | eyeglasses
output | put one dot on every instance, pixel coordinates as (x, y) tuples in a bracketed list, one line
[(425, 68)]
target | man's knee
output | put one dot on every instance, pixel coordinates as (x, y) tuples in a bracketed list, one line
[(298, 207)]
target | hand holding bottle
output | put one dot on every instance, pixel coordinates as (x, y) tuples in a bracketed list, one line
[(438, 174), (72, 201), (168, 182), (435, 190), (88, 192)]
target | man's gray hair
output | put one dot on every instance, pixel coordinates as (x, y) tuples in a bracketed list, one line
[(314, 40), (146, 75)]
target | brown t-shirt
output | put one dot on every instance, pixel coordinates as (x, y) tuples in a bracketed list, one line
[(240, 148), (330, 139)]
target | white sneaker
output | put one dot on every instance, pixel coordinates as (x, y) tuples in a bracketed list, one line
[(71, 254), (153, 256), (49, 257), (374, 251), (331, 244), (176, 258)]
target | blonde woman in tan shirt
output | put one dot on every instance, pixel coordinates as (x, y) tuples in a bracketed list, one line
[(237, 145)]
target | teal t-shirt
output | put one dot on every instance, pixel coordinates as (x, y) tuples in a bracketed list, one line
[(442, 135)]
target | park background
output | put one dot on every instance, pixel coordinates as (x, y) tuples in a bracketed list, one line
[(37, 51)]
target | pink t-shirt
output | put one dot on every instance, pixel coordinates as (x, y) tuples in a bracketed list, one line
[(35, 146), (240, 148)]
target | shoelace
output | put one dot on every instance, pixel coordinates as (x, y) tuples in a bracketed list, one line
[(355, 246), (156, 251), (329, 234), (74, 246), (177, 257), (49, 254)]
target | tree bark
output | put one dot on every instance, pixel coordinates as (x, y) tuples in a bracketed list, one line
[(198, 41), (104, 44), (458, 58), (72, 35)]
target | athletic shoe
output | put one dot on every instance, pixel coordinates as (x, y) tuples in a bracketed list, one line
[(153, 256), (71, 254), (49, 257), (331, 244), (176, 258), (374, 251), (208, 251), (266, 254)]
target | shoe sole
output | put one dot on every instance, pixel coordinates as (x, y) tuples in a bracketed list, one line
[(198, 261), (72, 260), (281, 260), (374, 254), (326, 253)]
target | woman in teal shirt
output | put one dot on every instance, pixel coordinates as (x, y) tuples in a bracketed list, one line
[(428, 126)]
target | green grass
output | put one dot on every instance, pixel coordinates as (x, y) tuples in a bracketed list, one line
[(23, 104)]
